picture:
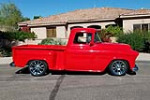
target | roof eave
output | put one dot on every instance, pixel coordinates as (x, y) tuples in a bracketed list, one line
[(46, 24), (22, 24), (134, 15)]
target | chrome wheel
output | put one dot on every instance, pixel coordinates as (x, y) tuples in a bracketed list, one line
[(118, 68), (37, 67)]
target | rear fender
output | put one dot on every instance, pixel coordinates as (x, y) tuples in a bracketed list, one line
[(49, 65)]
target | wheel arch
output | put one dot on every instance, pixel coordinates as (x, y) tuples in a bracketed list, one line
[(39, 60), (118, 59), (118, 70), (35, 70)]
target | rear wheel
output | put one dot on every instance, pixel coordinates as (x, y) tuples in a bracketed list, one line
[(118, 68), (37, 67)]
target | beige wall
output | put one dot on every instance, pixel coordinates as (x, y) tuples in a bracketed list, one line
[(128, 23), (40, 32), (85, 25), (61, 32)]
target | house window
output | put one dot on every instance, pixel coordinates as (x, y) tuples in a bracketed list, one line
[(139, 27), (136, 27), (51, 32), (144, 27), (95, 26), (113, 25)]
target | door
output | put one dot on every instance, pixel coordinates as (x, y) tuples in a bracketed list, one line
[(79, 56), (101, 56)]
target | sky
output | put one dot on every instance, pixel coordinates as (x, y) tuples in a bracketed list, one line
[(31, 8)]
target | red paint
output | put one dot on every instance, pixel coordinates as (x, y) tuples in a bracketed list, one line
[(25, 29), (91, 56)]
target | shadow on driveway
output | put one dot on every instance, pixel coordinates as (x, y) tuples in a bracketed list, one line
[(26, 71)]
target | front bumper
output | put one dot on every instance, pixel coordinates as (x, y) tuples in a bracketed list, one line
[(135, 69)]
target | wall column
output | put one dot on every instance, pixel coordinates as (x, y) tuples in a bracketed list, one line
[(60, 32), (40, 32)]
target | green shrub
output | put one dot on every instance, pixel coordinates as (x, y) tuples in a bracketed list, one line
[(110, 31), (114, 30), (137, 40), (6, 39), (18, 35), (5, 52), (105, 37), (50, 41), (147, 42)]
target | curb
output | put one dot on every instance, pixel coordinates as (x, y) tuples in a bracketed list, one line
[(143, 57), (139, 61), (5, 60)]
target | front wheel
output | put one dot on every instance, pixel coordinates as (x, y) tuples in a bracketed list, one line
[(118, 68), (37, 67)]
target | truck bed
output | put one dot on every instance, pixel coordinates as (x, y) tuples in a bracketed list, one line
[(47, 47), (51, 53)]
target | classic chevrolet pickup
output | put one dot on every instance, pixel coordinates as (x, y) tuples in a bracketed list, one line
[(84, 52)]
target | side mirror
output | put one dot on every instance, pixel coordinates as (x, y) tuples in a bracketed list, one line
[(91, 43)]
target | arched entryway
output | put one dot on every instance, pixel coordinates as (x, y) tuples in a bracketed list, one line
[(95, 26), (110, 25), (76, 27)]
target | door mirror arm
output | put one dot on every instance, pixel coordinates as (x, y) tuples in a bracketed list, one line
[(91, 43)]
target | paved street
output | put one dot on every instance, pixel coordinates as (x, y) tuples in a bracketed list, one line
[(75, 86)]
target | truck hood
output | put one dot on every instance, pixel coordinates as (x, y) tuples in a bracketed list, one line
[(120, 48), (116, 46)]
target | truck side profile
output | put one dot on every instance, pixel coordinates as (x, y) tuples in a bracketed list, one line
[(84, 52)]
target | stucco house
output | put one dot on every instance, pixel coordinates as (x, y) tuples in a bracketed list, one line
[(59, 26)]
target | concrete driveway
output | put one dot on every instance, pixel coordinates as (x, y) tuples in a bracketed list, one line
[(75, 86)]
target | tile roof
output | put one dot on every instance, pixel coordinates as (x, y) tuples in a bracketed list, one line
[(84, 15)]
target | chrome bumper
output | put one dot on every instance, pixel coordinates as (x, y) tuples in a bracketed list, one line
[(135, 69)]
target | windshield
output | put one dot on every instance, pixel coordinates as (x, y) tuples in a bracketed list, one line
[(97, 39)]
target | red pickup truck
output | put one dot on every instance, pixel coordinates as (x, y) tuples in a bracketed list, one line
[(84, 52)]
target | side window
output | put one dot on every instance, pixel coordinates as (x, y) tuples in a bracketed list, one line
[(97, 38), (82, 38)]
